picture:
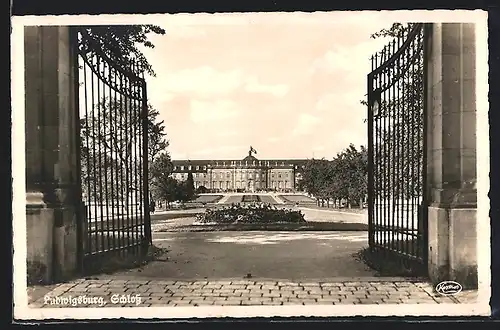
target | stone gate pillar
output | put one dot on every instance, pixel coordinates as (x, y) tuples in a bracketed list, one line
[(51, 139), (451, 104)]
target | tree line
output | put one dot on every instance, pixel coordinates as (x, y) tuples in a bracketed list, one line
[(344, 178)]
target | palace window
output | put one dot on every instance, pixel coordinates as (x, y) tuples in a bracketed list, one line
[(182, 168), (189, 168), (197, 168)]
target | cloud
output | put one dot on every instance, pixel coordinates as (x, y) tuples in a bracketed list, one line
[(202, 80), (210, 111), (273, 139), (185, 31), (254, 86), (306, 124), (218, 150), (354, 59), (206, 81), (227, 133), (327, 103)]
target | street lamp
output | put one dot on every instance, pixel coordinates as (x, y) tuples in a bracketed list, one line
[(375, 108), (375, 103)]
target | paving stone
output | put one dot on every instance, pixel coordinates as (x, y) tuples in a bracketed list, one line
[(154, 289), (309, 284), (349, 300), (232, 301), (303, 295), (392, 300), (211, 294), (309, 302), (289, 288), (220, 303), (328, 301), (180, 301), (242, 291), (292, 303), (288, 294), (274, 303), (419, 295), (369, 301), (291, 284), (202, 302), (403, 284), (275, 294), (357, 294), (155, 299), (243, 282), (235, 286)]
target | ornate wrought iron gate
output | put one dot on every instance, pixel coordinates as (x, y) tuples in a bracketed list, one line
[(397, 144), (113, 154)]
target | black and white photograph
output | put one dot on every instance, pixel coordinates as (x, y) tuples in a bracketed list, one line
[(251, 164)]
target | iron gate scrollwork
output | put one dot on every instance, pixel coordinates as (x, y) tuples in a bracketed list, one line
[(113, 153), (397, 145)]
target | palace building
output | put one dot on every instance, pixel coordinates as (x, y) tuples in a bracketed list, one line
[(247, 174)]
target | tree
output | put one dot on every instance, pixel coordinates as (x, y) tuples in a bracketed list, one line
[(314, 178), (120, 43), (111, 143), (161, 183), (157, 142), (190, 185), (353, 172), (166, 188), (186, 191)]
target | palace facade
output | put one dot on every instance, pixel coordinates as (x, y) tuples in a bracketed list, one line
[(247, 174)]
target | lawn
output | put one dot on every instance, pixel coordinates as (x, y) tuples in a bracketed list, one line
[(267, 199), (208, 199), (234, 199)]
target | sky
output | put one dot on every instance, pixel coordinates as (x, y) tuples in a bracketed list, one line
[(288, 84)]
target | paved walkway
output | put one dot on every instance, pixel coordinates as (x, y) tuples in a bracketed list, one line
[(144, 293)]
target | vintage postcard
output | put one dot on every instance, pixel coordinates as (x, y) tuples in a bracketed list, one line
[(251, 164)]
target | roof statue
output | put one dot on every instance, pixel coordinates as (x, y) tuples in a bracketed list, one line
[(252, 151)]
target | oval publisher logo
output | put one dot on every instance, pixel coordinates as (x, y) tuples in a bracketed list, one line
[(448, 288)]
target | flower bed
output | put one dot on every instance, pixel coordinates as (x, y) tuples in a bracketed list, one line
[(250, 199), (254, 214)]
